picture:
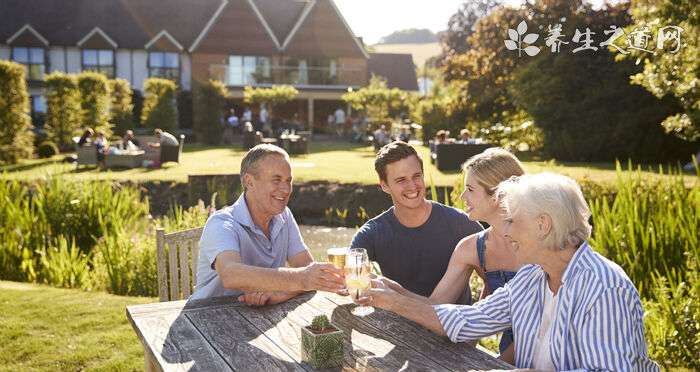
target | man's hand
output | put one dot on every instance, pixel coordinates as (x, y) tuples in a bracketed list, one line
[(265, 298), (322, 276)]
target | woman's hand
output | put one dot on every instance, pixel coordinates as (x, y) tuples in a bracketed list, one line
[(381, 295)]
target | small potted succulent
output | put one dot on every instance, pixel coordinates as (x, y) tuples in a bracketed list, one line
[(322, 344)]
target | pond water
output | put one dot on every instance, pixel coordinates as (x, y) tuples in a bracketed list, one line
[(320, 238)]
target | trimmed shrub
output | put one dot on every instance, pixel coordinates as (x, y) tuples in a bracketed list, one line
[(122, 115), (210, 99), (63, 109), (159, 109), (15, 124), (95, 102), (47, 149)]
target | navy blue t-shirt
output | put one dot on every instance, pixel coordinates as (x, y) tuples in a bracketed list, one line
[(416, 258)]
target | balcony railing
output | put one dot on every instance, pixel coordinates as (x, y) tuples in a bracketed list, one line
[(310, 76)]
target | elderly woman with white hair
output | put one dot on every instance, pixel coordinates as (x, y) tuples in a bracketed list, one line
[(569, 307)]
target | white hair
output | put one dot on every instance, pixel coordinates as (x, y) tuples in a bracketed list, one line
[(558, 196)]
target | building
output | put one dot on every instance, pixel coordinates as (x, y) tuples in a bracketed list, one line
[(305, 43)]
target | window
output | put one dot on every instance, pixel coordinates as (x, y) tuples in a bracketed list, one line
[(164, 65), (38, 113), (33, 59), (245, 70), (99, 60)]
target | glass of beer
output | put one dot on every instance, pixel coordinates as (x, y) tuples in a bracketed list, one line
[(357, 278), (336, 256)]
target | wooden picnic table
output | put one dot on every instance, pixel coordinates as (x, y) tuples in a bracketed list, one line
[(221, 334)]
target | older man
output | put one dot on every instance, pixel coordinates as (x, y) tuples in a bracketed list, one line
[(244, 247)]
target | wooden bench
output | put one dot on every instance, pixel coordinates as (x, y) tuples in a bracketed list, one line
[(177, 255)]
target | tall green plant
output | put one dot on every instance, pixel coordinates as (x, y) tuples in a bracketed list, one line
[(650, 226), (63, 108), (122, 108), (210, 98), (95, 101), (63, 265), (15, 124), (159, 109)]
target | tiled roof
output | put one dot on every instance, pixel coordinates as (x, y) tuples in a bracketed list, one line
[(130, 23), (397, 69)]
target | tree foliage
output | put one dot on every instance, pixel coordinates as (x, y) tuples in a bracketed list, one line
[(122, 109), (15, 124), (63, 108), (277, 94), (379, 102), (159, 110), (455, 40), (210, 98), (666, 73)]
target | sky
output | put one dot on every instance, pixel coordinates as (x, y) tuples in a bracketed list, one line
[(374, 19)]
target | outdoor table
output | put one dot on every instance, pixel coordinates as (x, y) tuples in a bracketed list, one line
[(131, 159), (221, 334)]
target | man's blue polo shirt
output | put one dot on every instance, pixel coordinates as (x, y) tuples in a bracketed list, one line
[(232, 229)]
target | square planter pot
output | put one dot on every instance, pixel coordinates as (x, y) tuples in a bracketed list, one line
[(322, 350)]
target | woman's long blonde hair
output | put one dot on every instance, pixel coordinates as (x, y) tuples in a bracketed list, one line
[(492, 167)]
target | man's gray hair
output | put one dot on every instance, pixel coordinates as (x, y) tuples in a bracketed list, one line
[(558, 196), (257, 153)]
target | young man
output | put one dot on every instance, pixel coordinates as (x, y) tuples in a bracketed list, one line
[(244, 247), (413, 240)]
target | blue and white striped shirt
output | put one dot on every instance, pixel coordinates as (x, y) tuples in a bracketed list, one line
[(598, 322)]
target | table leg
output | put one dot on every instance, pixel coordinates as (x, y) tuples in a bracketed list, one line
[(150, 362)]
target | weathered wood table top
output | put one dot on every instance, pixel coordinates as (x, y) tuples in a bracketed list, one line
[(221, 334)]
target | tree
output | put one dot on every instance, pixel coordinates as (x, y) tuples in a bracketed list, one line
[(585, 105), (462, 25), (122, 108), (667, 72), (411, 35), (63, 108), (159, 110), (271, 97), (379, 102), (210, 98), (95, 101), (16, 136)]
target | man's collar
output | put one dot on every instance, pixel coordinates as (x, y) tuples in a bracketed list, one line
[(241, 213)]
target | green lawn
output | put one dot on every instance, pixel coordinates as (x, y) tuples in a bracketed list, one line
[(328, 161), (48, 329)]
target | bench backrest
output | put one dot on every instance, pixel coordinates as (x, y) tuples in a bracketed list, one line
[(177, 255)]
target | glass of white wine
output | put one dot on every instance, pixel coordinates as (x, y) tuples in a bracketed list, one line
[(357, 278)]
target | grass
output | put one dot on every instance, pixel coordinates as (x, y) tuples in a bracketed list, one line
[(328, 161), (45, 328)]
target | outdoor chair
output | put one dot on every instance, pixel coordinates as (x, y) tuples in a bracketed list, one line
[(87, 155), (451, 156), (172, 153), (251, 139), (177, 254)]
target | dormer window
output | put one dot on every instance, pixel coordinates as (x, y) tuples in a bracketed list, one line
[(99, 60), (164, 65), (33, 59)]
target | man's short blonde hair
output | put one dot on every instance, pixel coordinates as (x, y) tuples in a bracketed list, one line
[(492, 167), (560, 197)]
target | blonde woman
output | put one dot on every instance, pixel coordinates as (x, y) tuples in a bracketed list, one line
[(487, 252)]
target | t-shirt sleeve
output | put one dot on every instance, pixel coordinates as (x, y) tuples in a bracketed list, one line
[(296, 241), (218, 236), (364, 238), (464, 226)]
